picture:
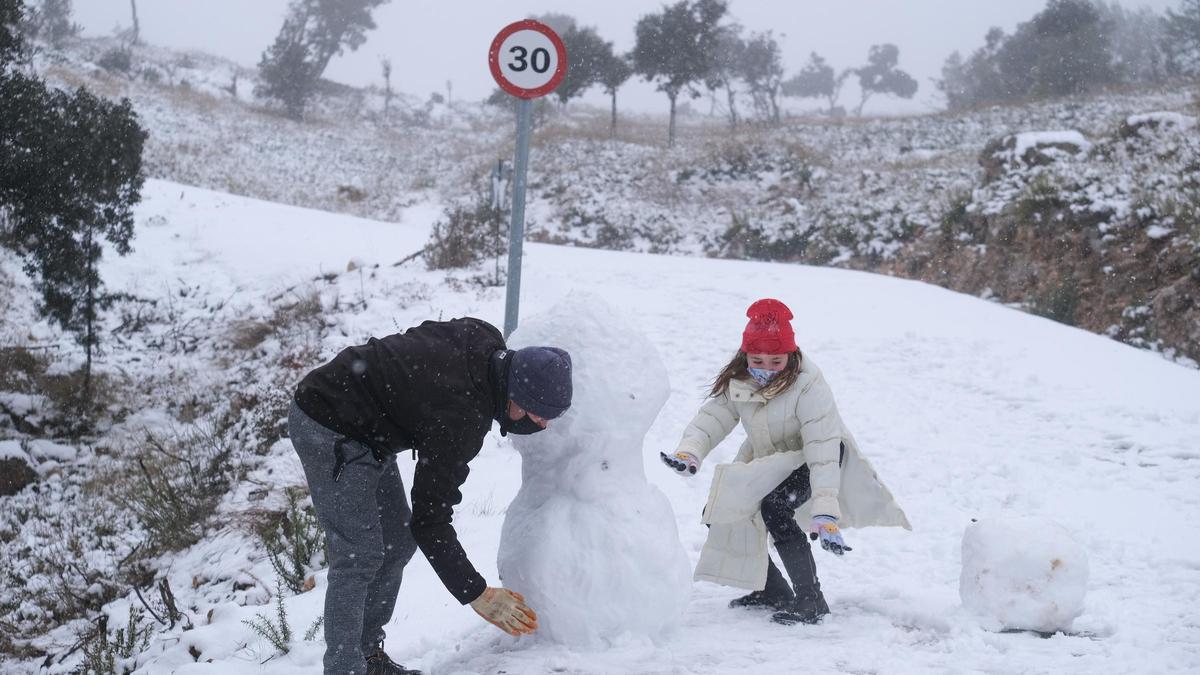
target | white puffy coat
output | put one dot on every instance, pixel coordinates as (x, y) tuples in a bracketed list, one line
[(797, 426)]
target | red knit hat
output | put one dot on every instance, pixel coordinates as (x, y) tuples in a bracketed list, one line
[(769, 330)]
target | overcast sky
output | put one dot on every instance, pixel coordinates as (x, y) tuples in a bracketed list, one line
[(428, 47)]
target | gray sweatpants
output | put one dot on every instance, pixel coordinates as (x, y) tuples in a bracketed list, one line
[(366, 516)]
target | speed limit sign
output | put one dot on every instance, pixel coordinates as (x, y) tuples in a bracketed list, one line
[(528, 59)]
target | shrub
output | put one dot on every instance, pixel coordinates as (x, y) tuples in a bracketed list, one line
[(65, 552), (1057, 303), (117, 60), (466, 235), (293, 543), (177, 484), (278, 631), (304, 310), (956, 221), (744, 240), (21, 369), (1040, 201), (103, 656), (62, 410)]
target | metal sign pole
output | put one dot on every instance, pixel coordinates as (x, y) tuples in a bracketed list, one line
[(516, 232)]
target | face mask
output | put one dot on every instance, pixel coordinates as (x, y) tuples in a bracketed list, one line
[(522, 427), (763, 377)]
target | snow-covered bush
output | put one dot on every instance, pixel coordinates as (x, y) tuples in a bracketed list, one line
[(173, 483), (117, 60), (466, 235), (116, 654), (37, 398), (277, 630), (64, 552), (295, 543)]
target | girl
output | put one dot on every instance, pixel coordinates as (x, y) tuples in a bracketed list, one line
[(799, 464)]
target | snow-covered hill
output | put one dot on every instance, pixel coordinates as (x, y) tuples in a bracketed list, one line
[(966, 408), (905, 196)]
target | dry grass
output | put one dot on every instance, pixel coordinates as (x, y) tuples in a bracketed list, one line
[(297, 310), (190, 98), (172, 484), (68, 411)]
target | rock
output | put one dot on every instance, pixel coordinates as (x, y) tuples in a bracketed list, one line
[(351, 193), (15, 472), (1034, 148), (1147, 124)]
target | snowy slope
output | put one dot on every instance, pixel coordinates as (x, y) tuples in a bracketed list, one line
[(966, 409)]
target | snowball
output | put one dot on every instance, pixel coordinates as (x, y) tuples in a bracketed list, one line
[(588, 541), (1023, 573)]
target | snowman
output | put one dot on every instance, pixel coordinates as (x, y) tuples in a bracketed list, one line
[(587, 540)]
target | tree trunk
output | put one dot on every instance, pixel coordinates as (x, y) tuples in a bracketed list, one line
[(613, 126), (774, 98), (731, 95), (89, 316), (861, 104), (671, 126), (137, 28)]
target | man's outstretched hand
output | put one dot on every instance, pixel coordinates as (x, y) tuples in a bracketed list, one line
[(506, 610)]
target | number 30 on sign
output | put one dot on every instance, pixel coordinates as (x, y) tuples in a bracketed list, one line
[(528, 59)]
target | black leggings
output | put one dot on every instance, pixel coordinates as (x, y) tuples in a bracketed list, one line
[(779, 506)]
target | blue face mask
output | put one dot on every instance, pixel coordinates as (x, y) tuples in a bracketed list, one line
[(763, 377)]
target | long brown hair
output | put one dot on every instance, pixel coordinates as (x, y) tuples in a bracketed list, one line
[(737, 369)]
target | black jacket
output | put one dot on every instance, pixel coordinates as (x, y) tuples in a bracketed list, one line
[(436, 389)]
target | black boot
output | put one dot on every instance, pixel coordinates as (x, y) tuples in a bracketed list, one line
[(776, 594), (808, 605), (379, 663)]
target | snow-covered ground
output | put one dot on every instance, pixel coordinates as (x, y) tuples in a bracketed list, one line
[(966, 408)]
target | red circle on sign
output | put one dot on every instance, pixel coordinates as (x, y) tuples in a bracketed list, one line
[(494, 59)]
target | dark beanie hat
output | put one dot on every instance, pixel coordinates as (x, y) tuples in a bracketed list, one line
[(539, 380)]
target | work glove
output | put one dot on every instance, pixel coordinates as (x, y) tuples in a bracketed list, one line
[(505, 610), (826, 528), (684, 463)]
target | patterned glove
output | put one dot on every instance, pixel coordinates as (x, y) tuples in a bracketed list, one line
[(505, 610), (685, 463), (826, 528)]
